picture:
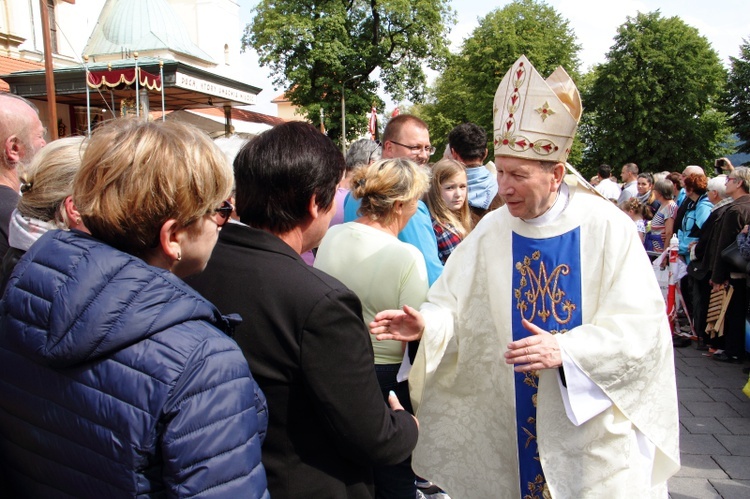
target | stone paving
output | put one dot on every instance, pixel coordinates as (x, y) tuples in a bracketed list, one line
[(714, 428)]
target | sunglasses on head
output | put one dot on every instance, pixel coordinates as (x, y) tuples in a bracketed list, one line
[(223, 212)]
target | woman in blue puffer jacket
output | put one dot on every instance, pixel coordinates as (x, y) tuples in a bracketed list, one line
[(116, 379)]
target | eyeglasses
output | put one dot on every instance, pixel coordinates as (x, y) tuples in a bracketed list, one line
[(223, 212), (375, 153), (732, 178), (416, 149)]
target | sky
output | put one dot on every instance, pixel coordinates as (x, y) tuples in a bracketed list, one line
[(724, 23)]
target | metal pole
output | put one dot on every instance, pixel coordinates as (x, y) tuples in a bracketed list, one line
[(137, 89), (88, 96), (343, 121), (111, 95), (161, 78)]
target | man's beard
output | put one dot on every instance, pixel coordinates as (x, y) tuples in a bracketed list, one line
[(29, 153), (23, 165)]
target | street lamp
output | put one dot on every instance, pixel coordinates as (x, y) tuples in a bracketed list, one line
[(343, 113)]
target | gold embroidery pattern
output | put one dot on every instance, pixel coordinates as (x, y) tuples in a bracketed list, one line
[(539, 293), (544, 111), (531, 379), (539, 484), (538, 489)]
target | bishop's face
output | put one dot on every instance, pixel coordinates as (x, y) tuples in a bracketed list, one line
[(529, 189)]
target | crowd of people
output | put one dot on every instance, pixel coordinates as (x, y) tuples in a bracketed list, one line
[(285, 320), (709, 215)]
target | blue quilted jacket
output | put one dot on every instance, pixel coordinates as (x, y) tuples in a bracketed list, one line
[(115, 381)]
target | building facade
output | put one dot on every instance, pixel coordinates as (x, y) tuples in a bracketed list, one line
[(197, 41)]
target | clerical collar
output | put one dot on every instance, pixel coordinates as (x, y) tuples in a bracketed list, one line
[(557, 208)]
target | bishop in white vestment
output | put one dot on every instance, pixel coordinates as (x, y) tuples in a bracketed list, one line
[(545, 367)]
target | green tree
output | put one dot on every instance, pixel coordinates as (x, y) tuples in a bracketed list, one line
[(738, 96), (316, 47), (466, 90), (654, 101)]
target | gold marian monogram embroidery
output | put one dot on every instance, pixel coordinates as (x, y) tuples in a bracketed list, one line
[(539, 293)]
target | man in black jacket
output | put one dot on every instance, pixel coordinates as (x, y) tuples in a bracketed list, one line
[(302, 332)]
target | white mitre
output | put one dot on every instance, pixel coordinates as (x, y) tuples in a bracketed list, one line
[(535, 118)]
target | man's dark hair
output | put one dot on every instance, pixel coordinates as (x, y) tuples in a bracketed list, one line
[(469, 140), (394, 126), (605, 171), (278, 172), (676, 179)]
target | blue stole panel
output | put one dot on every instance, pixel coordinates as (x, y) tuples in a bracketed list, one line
[(547, 293)]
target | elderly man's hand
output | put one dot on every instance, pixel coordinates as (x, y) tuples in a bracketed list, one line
[(400, 325), (538, 351)]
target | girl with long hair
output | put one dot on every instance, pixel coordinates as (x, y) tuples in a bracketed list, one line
[(449, 205)]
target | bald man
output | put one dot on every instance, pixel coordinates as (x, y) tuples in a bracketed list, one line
[(22, 135)]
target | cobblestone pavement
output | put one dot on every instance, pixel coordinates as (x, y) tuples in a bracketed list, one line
[(714, 428)]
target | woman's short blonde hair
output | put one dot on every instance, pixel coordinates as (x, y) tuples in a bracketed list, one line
[(136, 175), (385, 182), (49, 180)]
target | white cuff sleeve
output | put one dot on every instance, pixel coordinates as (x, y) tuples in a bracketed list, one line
[(582, 398), (405, 369)]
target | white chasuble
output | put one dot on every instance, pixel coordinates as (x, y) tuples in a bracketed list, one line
[(584, 274)]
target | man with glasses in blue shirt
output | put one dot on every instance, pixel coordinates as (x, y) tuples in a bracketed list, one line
[(406, 136)]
